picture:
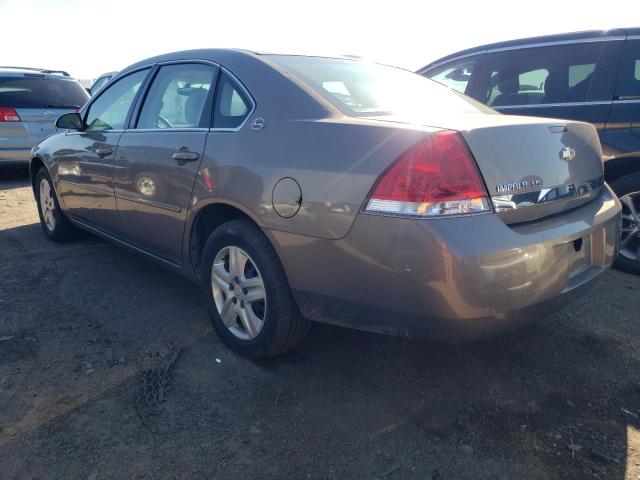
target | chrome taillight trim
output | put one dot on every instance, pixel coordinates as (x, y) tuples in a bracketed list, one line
[(428, 209)]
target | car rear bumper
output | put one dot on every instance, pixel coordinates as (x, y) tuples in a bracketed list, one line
[(452, 278), (15, 156)]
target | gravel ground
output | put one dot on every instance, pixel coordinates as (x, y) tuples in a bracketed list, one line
[(80, 324)]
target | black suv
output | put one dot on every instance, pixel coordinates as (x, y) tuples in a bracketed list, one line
[(588, 76)]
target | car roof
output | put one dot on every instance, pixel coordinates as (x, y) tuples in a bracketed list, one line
[(29, 71), (259, 75), (222, 55), (589, 35)]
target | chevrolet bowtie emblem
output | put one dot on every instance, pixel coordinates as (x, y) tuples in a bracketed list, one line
[(567, 154)]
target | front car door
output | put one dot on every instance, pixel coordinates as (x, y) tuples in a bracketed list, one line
[(85, 167), (572, 81), (158, 157)]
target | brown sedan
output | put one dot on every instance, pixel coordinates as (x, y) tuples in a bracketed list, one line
[(297, 188)]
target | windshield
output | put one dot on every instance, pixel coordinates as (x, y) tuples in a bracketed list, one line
[(22, 92), (363, 89)]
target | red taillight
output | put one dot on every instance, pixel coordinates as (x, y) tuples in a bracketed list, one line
[(438, 176), (8, 114)]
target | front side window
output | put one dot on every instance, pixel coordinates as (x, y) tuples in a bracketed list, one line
[(454, 75), (544, 75), (363, 89), (178, 96), (111, 108), (629, 77), (232, 105)]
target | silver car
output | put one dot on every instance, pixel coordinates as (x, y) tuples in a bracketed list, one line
[(100, 82), (31, 100), (295, 188)]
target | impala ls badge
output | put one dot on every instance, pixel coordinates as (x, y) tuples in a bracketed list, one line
[(526, 183), (567, 154)]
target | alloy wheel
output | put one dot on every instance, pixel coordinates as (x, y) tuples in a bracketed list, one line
[(630, 236), (47, 205), (238, 292)]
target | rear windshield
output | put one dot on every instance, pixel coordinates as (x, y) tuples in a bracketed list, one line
[(364, 89), (21, 92)]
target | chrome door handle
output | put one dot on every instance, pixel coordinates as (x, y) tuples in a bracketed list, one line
[(183, 157), (103, 151)]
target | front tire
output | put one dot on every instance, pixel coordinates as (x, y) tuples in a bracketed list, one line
[(628, 190), (55, 224), (247, 294)]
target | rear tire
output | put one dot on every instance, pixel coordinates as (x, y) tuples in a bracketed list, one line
[(54, 222), (627, 189), (244, 257)]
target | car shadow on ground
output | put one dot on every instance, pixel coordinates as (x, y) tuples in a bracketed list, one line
[(82, 321), (13, 178)]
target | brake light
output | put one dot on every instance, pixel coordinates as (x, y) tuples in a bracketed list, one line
[(437, 176), (8, 114)]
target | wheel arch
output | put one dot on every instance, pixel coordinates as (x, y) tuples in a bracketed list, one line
[(35, 165), (207, 218)]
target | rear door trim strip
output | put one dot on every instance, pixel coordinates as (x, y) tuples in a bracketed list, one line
[(132, 198)]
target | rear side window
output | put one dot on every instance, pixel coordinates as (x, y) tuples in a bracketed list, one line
[(629, 77), (25, 92), (110, 110), (178, 96), (454, 75), (545, 75), (530, 83), (232, 106)]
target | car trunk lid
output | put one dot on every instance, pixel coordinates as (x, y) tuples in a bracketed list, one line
[(532, 167)]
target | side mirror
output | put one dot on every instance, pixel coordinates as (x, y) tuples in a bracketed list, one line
[(69, 121)]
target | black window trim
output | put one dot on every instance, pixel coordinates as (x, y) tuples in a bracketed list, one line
[(245, 92), (133, 120), (134, 112), (135, 117)]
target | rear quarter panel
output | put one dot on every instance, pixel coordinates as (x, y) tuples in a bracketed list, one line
[(335, 162)]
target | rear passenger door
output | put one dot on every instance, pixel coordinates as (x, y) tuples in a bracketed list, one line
[(625, 112), (159, 155), (570, 81)]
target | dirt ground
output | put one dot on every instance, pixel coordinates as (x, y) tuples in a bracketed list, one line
[(81, 322)]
